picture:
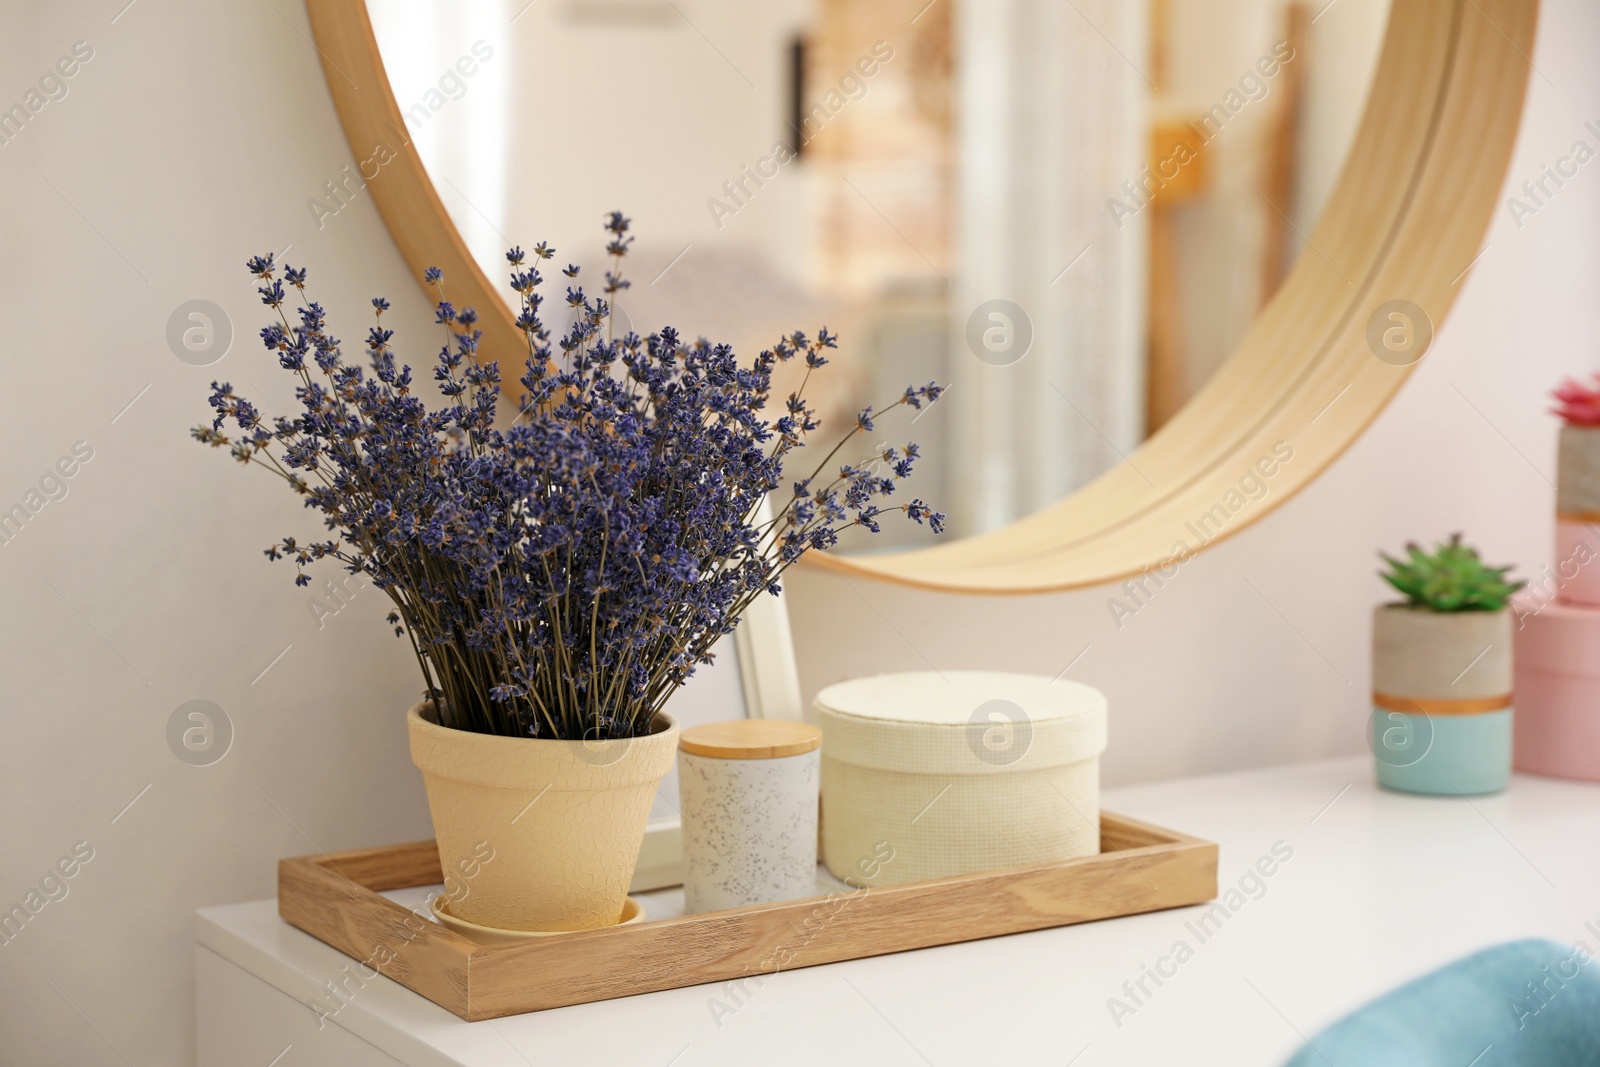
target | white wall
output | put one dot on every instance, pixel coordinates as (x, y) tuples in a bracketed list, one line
[(610, 107), (193, 138)]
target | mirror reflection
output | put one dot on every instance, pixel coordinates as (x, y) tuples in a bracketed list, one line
[(1070, 214)]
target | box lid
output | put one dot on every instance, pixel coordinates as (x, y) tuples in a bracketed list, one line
[(961, 722)]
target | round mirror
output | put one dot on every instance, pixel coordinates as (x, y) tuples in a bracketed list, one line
[(1094, 222)]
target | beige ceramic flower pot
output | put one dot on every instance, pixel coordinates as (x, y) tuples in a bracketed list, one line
[(536, 834)]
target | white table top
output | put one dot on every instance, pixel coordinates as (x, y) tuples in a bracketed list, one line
[(1381, 887)]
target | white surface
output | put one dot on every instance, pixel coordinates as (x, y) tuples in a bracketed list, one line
[(1380, 887), (274, 1020)]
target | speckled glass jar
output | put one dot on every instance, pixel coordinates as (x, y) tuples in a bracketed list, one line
[(747, 792)]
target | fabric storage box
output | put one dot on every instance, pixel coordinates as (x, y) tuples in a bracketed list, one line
[(930, 774), (1558, 689)]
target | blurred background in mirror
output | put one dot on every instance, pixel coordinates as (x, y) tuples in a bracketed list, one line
[(1070, 213)]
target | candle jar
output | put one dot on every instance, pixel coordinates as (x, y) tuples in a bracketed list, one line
[(747, 794)]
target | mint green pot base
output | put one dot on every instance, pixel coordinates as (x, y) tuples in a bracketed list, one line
[(1442, 755)]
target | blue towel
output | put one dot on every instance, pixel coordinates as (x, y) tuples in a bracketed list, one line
[(1522, 1004)]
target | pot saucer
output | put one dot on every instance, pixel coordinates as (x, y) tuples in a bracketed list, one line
[(632, 912)]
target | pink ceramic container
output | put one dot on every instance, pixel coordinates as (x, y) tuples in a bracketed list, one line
[(1577, 562), (1557, 685)]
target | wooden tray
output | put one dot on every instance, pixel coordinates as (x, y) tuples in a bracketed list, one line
[(335, 898)]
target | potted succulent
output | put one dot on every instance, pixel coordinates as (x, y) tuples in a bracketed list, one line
[(1441, 673), (559, 574), (1578, 490), (1558, 626)]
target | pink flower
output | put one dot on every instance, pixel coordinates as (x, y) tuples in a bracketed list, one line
[(1579, 404)]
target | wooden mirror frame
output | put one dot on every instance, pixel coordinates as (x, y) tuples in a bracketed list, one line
[(1404, 222)]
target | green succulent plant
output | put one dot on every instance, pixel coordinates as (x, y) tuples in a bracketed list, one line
[(1450, 578)]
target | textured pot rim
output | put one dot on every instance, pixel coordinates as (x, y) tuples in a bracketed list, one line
[(1424, 610), (505, 762), (660, 725)]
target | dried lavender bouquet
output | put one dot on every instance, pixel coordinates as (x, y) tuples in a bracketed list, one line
[(561, 576)]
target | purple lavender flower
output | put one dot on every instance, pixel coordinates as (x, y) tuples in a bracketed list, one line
[(563, 575)]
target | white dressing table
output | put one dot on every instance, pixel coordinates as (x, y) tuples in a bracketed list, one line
[(1380, 887)]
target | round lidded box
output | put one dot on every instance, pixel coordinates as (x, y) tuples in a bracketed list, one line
[(1557, 726), (747, 792), (927, 775)]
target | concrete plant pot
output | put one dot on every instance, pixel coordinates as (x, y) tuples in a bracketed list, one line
[(1578, 515), (1441, 718)]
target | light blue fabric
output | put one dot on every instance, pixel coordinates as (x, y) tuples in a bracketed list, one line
[(1523, 1004), (1444, 755)]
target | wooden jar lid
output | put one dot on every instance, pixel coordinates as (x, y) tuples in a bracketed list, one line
[(750, 739)]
